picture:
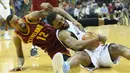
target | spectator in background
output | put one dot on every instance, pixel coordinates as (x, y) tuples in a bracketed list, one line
[(22, 7), (70, 9), (4, 12), (84, 11), (118, 8), (77, 10), (110, 8), (92, 11), (104, 10), (97, 10)]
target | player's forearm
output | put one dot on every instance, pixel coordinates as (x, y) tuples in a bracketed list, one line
[(18, 45), (69, 17), (81, 45), (85, 44), (35, 15), (64, 14), (20, 56)]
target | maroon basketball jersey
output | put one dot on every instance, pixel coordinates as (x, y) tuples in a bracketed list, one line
[(43, 36)]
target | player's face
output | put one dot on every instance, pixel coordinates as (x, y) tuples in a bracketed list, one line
[(16, 22), (60, 22)]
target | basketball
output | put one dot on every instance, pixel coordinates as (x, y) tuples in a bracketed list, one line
[(90, 35)]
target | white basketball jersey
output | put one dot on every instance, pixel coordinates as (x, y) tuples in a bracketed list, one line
[(75, 30)]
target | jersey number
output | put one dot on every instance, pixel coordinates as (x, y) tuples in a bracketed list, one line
[(42, 36)]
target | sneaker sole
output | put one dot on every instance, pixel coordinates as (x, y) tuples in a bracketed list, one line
[(57, 63)]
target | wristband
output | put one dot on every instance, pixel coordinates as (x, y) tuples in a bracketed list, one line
[(20, 61)]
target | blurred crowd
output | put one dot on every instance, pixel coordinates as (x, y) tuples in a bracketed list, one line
[(89, 9)]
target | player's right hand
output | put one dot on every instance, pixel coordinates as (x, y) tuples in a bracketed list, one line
[(20, 68)]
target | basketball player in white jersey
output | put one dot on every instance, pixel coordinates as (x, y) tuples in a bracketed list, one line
[(4, 12), (104, 55)]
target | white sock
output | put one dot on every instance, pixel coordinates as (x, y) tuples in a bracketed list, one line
[(67, 66)]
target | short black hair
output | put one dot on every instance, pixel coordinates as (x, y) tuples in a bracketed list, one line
[(51, 17), (8, 19)]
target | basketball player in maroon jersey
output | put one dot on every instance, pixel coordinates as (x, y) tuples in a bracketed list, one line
[(30, 29)]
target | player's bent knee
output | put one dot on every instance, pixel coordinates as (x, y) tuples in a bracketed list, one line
[(114, 47)]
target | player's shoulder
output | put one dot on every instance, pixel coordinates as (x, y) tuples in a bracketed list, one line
[(64, 33)]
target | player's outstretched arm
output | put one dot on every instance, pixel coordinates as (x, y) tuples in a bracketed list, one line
[(76, 44), (68, 16), (18, 45)]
